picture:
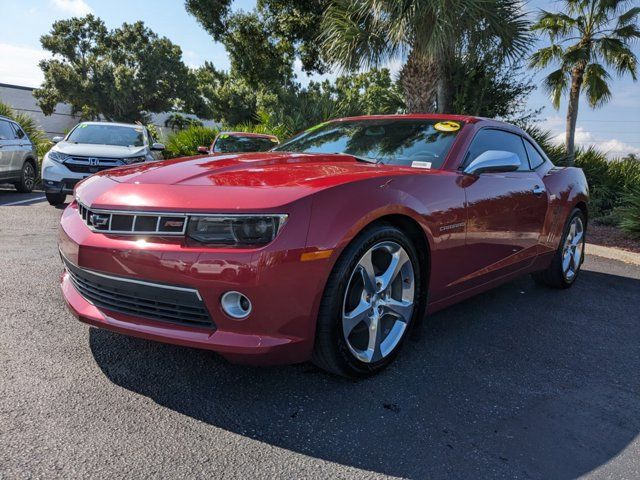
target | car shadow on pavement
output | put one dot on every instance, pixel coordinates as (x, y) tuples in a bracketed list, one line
[(520, 381)]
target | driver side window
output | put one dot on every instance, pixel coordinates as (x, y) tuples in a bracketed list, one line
[(492, 139)]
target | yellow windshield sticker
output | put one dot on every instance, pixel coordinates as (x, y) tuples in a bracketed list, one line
[(224, 135), (274, 140), (447, 126)]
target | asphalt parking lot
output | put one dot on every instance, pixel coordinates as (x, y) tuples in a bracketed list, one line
[(521, 382)]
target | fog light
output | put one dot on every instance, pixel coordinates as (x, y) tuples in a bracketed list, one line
[(236, 305)]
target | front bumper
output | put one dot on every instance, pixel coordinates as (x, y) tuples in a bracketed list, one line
[(56, 178), (281, 327)]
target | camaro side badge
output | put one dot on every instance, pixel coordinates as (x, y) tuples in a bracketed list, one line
[(453, 226)]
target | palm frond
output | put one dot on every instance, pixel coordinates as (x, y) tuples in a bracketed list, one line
[(595, 84), (543, 57), (628, 17), (554, 24), (556, 83)]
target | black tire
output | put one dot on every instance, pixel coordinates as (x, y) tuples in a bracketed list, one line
[(331, 352), (27, 178), (55, 199), (554, 276)]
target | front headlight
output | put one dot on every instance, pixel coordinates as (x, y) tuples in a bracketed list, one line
[(131, 160), (57, 156), (240, 230)]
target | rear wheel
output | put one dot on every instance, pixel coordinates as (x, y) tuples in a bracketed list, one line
[(566, 263), (371, 300), (27, 178), (55, 198)]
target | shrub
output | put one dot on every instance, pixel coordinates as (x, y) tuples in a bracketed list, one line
[(186, 142), (631, 212)]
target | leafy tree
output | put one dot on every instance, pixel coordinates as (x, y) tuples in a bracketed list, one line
[(118, 74), (586, 37), (177, 121), (286, 26), (487, 84), (361, 33)]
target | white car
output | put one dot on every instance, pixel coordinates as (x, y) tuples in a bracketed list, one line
[(89, 148)]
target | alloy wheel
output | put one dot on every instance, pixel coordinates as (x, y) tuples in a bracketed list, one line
[(573, 249), (379, 302), (29, 176)]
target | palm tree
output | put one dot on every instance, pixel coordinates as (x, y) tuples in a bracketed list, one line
[(365, 33), (591, 35)]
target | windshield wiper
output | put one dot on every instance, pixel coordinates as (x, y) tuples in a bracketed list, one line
[(358, 157)]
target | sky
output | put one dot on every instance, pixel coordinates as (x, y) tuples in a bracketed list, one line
[(614, 128)]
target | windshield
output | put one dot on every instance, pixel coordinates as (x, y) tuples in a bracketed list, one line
[(389, 141), (107, 135), (233, 143)]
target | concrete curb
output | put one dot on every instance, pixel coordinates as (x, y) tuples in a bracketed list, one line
[(613, 254)]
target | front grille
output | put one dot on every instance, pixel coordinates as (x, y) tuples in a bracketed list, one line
[(164, 303), (91, 164), (133, 223)]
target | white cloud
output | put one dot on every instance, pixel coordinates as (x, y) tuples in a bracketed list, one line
[(78, 8), (19, 65), (612, 147)]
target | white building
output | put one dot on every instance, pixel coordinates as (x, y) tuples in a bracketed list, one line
[(22, 100)]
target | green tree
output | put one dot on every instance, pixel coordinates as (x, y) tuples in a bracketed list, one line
[(285, 26), (586, 38), (120, 74), (361, 33)]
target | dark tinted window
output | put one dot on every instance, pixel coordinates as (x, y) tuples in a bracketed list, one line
[(535, 159), (389, 141), (6, 132), (19, 133), (489, 139), (233, 143)]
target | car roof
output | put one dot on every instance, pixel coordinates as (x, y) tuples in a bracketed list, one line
[(248, 134), (430, 116)]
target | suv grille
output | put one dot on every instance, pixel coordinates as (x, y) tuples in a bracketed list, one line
[(91, 164), (123, 222), (165, 303)]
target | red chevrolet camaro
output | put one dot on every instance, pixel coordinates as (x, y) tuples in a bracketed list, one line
[(330, 247)]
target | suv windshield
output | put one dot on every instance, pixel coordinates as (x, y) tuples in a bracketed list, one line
[(388, 141), (233, 143), (107, 135)]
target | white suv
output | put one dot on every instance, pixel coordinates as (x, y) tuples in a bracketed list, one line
[(89, 148)]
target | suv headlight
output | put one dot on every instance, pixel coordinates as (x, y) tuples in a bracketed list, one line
[(239, 230), (57, 156), (131, 160)]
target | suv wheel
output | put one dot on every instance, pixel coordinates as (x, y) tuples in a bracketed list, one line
[(55, 198), (27, 178)]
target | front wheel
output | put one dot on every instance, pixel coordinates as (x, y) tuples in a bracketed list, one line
[(55, 198), (371, 300), (566, 263)]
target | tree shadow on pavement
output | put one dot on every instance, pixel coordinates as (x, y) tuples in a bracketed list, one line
[(520, 381)]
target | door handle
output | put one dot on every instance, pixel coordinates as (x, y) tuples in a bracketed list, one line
[(538, 190)]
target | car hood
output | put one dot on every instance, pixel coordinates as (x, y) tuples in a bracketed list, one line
[(91, 150), (258, 181)]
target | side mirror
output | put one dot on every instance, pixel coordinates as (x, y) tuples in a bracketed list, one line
[(203, 150), (57, 139), (493, 161), (157, 146)]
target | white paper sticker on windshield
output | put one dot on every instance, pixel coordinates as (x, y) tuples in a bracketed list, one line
[(421, 164)]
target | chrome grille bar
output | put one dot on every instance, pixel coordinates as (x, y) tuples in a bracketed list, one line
[(127, 222)]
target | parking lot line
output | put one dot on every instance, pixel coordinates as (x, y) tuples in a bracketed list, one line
[(22, 201)]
